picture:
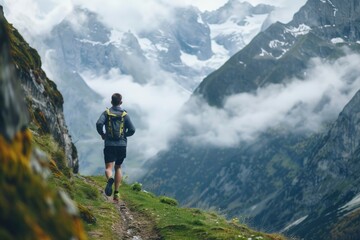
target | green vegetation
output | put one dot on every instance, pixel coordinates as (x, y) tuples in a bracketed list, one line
[(169, 201), (98, 215), (30, 208), (348, 227), (174, 222), (28, 61), (58, 161), (136, 186), (24, 56)]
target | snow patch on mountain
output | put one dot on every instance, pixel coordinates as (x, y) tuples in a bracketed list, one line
[(219, 57), (252, 26), (116, 37), (94, 43), (264, 53), (297, 222), (240, 35), (332, 4), (337, 40), (277, 44), (302, 29), (351, 205)]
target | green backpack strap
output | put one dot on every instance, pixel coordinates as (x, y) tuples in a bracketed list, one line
[(109, 125), (110, 113), (122, 121), (122, 124)]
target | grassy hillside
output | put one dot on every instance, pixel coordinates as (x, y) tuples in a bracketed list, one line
[(174, 222), (166, 218), (161, 215), (149, 216)]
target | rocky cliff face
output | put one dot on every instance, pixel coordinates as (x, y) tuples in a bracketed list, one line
[(29, 208), (327, 191), (15, 118), (44, 101), (331, 17)]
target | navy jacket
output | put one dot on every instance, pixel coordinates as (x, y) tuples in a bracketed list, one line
[(129, 128)]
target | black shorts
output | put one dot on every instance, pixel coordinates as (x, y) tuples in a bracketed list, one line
[(115, 154)]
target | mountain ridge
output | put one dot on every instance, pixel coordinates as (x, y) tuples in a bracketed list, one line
[(263, 180)]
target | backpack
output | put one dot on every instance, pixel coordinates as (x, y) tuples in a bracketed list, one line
[(114, 125)]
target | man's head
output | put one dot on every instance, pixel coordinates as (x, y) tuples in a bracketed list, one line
[(116, 99)]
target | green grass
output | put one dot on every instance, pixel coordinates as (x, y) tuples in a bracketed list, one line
[(48, 145), (26, 58), (105, 212), (99, 216), (174, 222)]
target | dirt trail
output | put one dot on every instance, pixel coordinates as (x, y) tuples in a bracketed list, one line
[(133, 225)]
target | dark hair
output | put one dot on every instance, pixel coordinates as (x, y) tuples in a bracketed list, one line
[(116, 99)]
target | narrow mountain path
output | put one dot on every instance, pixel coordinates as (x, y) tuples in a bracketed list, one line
[(133, 225)]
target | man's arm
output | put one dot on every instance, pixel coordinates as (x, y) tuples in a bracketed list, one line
[(130, 129), (100, 125)]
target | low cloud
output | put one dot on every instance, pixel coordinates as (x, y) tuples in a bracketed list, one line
[(298, 105), (35, 18), (153, 107)]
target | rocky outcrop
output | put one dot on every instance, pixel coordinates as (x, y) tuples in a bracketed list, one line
[(328, 188), (44, 101), (29, 208), (15, 119)]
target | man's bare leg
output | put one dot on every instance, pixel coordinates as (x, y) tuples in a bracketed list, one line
[(108, 169), (110, 180), (118, 177)]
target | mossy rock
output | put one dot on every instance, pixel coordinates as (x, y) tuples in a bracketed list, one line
[(29, 208), (169, 201), (86, 214), (136, 187)]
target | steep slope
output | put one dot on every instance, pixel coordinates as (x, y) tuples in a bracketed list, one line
[(327, 191), (30, 209), (248, 179), (44, 101)]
